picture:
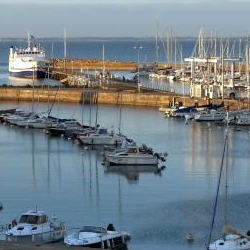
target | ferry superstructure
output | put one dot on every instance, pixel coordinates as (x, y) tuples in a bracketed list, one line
[(29, 62)]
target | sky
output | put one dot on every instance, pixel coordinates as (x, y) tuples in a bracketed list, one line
[(123, 18)]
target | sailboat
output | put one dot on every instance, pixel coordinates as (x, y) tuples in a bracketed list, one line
[(232, 239)]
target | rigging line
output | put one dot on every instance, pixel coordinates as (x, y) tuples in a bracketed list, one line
[(52, 105), (218, 186), (226, 188)]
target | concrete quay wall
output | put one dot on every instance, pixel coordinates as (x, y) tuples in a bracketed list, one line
[(126, 98)]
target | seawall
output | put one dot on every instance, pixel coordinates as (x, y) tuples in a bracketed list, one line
[(68, 95)]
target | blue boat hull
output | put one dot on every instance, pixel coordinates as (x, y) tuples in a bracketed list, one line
[(28, 74)]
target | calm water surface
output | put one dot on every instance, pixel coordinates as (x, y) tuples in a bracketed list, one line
[(158, 208)]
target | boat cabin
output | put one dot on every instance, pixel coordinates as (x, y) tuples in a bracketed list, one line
[(102, 131), (33, 218)]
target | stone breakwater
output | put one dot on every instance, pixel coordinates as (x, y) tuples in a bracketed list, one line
[(104, 97), (96, 64), (91, 64)]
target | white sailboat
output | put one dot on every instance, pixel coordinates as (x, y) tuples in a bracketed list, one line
[(101, 137), (232, 239)]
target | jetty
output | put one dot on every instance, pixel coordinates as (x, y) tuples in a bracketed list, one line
[(88, 96), (97, 64)]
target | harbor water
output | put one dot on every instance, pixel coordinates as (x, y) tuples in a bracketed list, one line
[(158, 207)]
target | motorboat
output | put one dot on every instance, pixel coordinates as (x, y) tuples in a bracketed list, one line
[(101, 137), (210, 115), (133, 155), (97, 237), (35, 226)]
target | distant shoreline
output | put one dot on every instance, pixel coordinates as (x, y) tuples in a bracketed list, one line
[(186, 38)]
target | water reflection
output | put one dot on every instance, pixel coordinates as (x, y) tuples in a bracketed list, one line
[(60, 177), (132, 173)]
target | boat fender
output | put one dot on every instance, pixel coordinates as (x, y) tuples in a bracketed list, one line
[(102, 244), (163, 159), (112, 243), (13, 223), (123, 239), (108, 243), (157, 155)]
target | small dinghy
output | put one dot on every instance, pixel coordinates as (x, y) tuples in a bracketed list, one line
[(97, 237), (190, 237)]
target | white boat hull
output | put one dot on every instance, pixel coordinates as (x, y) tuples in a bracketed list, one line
[(232, 242), (209, 117), (101, 140), (107, 240), (132, 160)]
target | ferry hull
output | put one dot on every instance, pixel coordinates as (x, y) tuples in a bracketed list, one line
[(28, 74)]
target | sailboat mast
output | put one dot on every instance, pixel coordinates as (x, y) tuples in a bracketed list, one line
[(97, 109), (247, 69), (120, 114), (33, 88), (65, 47), (103, 60), (226, 176), (222, 70), (156, 42), (218, 188)]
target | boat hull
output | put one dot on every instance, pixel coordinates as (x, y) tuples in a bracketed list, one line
[(135, 160), (105, 140), (28, 74)]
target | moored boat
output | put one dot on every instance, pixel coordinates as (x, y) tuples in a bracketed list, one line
[(210, 115), (101, 137), (35, 226), (97, 237), (29, 62), (133, 155)]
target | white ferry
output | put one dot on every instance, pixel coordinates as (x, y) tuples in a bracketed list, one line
[(29, 62)]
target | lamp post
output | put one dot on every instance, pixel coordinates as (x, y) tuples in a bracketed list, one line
[(138, 48)]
